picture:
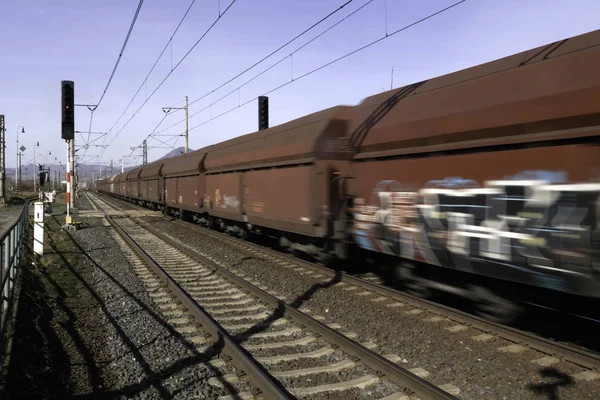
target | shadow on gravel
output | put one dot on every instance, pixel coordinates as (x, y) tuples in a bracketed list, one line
[(41, 366), (152, 377), (49, 374), (550, 389), (280, 310)]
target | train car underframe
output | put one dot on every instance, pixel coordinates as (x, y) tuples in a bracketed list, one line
[(497, 300), (493, 299)]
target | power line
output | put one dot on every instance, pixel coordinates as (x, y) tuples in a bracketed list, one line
[(171, 72), (274, 52), (121, 52), (273, 65), (154, 130), (145, 80), (266, 57), (137, 12), (330, 63)]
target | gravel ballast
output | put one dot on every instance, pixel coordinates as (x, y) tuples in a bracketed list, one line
[(87, 326), (447, 352)]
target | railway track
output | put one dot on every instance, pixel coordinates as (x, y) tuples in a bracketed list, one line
[(283, 351), (579, 356)]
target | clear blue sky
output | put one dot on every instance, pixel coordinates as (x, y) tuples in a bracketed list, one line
[(43, 42)]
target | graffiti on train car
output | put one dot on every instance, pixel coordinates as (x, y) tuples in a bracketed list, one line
[(542, 225)]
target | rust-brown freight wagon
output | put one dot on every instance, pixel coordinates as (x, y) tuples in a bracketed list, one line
[(493, 170), (184, 181), (112, 186), (121, 184), (150, 182), (280, 178), (133, 183), (101, 185)]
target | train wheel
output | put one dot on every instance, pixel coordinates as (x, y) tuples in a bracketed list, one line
[(493, 307), (412, 282)]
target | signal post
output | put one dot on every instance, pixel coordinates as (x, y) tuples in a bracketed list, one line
[(68, 134)]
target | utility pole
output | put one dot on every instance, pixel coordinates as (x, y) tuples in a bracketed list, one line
[(111, 167), (3, 155), (18, 170), (36, 144), (122, 165), (145, 153), (186, 125), (34, 167), (169, 109)]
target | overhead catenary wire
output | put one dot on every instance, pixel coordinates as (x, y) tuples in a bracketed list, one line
[(145, 80), (292, 80), (114, 70), (171, 72), (137, 12), (154, 130), (314, 25), (212, 118), (273, 66)]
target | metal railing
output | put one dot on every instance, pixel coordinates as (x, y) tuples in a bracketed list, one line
[(11, 244)]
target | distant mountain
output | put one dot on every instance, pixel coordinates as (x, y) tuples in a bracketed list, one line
[(175, 152), (85, 170)]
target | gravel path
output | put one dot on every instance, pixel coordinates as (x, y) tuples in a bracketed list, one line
[(446, 353), (87, 326)]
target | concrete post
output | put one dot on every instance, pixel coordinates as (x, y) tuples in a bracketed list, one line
[(38, 230)]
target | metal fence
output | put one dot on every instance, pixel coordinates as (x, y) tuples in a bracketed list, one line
[(11, 244)]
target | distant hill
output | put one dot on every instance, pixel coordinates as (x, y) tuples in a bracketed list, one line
[(175, 152), (89, 170)]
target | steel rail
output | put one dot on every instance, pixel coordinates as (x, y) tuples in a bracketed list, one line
[(581, 357), (270, 388), (393, 372)]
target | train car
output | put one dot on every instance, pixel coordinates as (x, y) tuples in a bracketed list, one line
[(151, 191), (483, 183), (488, 172), (283, 179), (111, 186), (102, 185), (133, 183), (184, 183), (120, 183)]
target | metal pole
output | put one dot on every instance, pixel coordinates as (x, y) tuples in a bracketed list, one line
[(17, 166), (72, 169), (34, 167), (68, 221), (186, 124), (2, 154), (20, 174), (122, 170)]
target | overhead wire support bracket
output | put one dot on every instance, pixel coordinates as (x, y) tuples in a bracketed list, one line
[(91, 107), (92, 133)]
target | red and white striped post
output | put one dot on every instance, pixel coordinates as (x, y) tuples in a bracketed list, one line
[(68, 219)]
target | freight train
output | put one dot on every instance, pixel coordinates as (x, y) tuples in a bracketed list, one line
[(483, 182)]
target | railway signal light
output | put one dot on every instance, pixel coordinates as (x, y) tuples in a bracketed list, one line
[(263, 113), (68, 110)]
